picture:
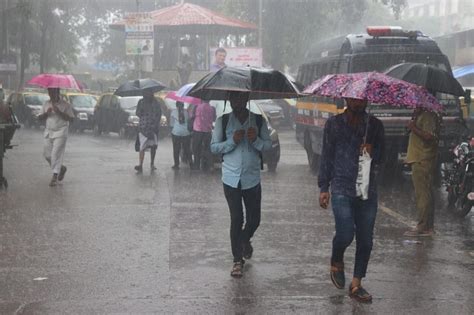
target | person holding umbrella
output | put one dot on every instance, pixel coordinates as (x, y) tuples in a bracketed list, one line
[(343, 142), (422, 155), (58, 114), (240, 137), (149, 112), (349, 138), (240, 142)]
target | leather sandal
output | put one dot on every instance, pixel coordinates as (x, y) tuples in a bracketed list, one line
[(338, 276), (237, 270), (360, 294)]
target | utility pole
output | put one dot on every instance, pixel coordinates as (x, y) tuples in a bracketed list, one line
[(260, 24), (138, 60)]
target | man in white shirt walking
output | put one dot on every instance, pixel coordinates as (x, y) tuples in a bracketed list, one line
[(57, 113)]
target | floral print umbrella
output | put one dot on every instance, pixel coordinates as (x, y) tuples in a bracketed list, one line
[(376, 88)]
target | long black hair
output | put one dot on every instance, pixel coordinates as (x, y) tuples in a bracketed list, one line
[(180, 107)]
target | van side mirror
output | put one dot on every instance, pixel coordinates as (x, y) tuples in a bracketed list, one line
[(467, 96)]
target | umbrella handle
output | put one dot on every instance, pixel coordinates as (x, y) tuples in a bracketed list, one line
[(367, 127)]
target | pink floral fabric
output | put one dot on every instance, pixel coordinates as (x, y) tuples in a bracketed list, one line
[(376, 88)]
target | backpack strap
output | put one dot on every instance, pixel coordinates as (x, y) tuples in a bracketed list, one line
[(225, 121), (259, 121)]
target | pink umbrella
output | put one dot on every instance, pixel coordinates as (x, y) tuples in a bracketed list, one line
[(376, 88), (185, 99), (61, 81)]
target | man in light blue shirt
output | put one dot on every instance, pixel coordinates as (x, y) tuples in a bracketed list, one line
[(240, 137)]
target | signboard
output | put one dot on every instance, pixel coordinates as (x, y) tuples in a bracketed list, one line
[(139, 33), (8, 63), (240, 56)]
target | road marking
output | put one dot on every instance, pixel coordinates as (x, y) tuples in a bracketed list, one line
[(400, 218)]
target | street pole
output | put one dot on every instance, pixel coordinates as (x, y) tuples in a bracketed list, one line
[(260, 24), (139, 57)]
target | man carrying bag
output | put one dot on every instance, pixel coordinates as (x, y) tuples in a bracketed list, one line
[(353, 143)]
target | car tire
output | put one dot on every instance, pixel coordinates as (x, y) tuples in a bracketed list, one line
[(97, 130), (27, 123), (122, 133), (313, 158)]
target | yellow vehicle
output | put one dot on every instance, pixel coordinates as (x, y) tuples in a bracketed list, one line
[(377, 50), (83, 105)]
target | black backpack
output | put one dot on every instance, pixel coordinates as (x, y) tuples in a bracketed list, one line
[(258, 120)]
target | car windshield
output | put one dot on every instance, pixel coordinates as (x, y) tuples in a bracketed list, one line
[(87, 101), (129, 103), (268, 106), (222, 108), (36, 99)]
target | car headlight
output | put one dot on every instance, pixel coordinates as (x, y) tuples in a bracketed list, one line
[(133, 119), (36, 112), (163, 120), (82, 116)]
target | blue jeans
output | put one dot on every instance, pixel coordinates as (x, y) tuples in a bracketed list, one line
[(353, 216)]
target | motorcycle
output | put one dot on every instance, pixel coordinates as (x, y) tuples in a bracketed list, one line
[(458, 177)]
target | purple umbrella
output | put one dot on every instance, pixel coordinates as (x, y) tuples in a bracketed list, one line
[(376, 88)]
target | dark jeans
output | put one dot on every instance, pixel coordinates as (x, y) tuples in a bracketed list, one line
[(181, 143), (202, 149), (252, 199), (353, 216)]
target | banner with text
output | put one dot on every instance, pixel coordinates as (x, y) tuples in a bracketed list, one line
[(240, 56), (139, 33)]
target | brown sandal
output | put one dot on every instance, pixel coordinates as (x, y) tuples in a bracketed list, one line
[(360, 294), (236, 271), (338, 276)]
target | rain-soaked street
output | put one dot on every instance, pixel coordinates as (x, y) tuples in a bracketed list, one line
[(110, 241)]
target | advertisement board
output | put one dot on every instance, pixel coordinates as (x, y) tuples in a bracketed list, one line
[(240, 56), (8, 63), (139, 34)]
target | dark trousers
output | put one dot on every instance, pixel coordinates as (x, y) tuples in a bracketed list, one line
[(353, 216), (202, 149), (252, 199), (183, 143)]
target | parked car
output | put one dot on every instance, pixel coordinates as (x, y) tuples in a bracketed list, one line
[(117, 114), (273, 111), (27, 106), (83, 105), (270, 157)]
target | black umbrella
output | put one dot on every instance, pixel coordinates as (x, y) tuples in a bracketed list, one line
[(260, 83), (431, 77), (136, 87)]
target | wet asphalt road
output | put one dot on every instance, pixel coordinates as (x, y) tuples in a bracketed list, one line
[(110, 241)]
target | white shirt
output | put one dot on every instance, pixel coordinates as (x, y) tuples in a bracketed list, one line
[(57, 127)]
